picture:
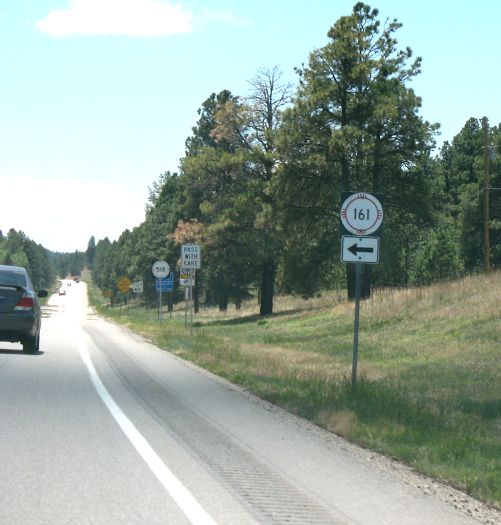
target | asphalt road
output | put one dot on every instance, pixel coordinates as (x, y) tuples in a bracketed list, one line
[(101, 427)]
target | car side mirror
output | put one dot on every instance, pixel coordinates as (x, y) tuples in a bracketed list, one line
[(42, 293)]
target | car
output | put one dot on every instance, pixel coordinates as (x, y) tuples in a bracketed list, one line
[(62, 291), (20, 312)]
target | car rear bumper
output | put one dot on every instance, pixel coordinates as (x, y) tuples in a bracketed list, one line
[(14, 327)]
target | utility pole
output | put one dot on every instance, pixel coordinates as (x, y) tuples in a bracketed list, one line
[(487, 184)]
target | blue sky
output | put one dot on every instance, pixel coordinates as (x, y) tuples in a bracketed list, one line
[(97, 97)]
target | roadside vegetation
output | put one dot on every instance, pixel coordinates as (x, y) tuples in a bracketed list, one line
[(429, 369), (259, 190)]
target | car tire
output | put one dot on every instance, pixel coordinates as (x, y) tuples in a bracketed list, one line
[(31, 344)]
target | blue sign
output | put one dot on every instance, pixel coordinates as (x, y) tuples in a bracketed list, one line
[(166, 284)]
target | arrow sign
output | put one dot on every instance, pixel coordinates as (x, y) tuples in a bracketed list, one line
[(360, 249), (356, 249)]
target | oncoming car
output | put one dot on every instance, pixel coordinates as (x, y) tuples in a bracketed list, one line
[(20, 314)]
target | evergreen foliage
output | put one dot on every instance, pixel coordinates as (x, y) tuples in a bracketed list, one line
[(260, 184), (17, 249)]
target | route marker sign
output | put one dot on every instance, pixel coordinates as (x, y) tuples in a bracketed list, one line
[(361, 213), (360, 249), (160, 269), (362, 216)]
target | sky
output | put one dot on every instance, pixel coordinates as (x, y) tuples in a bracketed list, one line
[(97, 97)]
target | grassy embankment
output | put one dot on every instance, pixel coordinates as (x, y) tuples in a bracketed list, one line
[(429, 391)]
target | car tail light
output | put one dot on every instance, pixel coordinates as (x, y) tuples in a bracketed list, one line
[(25, 303)]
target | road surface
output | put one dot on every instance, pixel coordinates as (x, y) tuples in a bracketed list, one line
[(101, 427)]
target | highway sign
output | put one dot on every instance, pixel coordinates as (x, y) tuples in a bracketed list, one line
[(124, 284), (360, 249), (165, 284), (361, 213), (160, 269), (191, 256), (187, 277), (137, 286)]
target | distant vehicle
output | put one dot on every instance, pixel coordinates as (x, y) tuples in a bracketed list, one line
[(20, 313), (62, 291)]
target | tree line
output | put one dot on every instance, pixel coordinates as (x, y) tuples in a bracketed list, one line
[(43, 265), (259, 187)]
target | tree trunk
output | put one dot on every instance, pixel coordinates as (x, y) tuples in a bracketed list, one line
[(267, 287), (223, 300)]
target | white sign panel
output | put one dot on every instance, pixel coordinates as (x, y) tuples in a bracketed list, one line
[(360, 249), (187, 277), (361, 214), (137, 286), (191, 256), (160, 269)]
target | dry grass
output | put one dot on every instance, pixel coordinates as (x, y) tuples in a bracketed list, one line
[(429, 369)]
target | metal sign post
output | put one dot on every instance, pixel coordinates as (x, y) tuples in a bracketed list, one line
[(160, 269), (170, 306), (191, 309), (160, 305), (358, 290), (361, 215)]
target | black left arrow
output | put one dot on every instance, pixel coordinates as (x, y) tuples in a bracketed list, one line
[(355, 249)]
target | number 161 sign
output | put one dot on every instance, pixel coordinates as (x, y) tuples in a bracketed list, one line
[(361, 213)]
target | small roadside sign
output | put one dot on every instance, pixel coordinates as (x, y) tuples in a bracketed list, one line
[(124, 284), (191, 256), (165, 284), (187, 277), (160, 269), (137, 286), (360, 249), (361, 213)]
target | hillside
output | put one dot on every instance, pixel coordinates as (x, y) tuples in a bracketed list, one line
[(429, 370)]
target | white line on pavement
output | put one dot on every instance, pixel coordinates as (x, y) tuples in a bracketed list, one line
[(179, 493)]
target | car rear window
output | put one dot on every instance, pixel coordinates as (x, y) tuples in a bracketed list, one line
[(12, 278)]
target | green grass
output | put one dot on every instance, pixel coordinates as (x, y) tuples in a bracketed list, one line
[(429, 384)]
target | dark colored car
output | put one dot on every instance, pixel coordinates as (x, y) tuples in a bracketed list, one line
[(20, 313)]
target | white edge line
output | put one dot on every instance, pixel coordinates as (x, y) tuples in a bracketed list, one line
[(179, 493)]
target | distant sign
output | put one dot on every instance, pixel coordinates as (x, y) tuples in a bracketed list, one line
[(165, 284), (137, 286), (191, 256), (361, 213), (124, 284), (160, 269), (187, 277)]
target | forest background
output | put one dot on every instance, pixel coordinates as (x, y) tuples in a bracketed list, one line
[(259, 187)]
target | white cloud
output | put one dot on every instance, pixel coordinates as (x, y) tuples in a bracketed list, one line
[(63, 215), (134, 18)]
